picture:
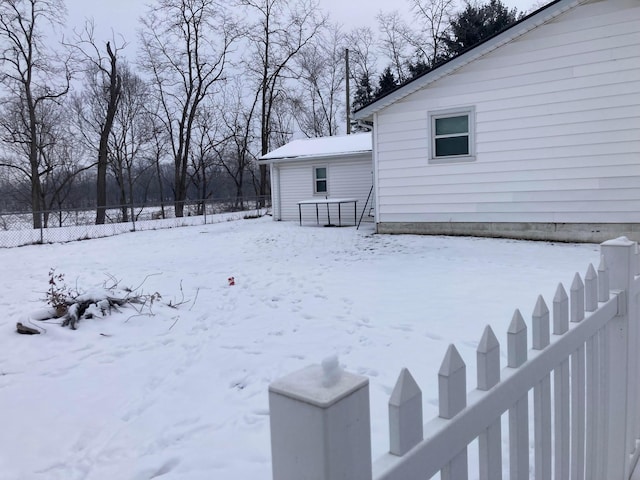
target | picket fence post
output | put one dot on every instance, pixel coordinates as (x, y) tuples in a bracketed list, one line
[(452, 399), (519, 412), (405, 415), (619, 256), (488, 376), (320, 425)]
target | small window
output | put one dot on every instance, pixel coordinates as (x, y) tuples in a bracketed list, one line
[(452, 135), (320, 179)]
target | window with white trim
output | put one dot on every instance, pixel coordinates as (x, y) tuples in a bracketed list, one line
[(452, 135), (320, 185)]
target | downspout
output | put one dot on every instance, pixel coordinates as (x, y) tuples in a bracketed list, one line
[(374, 150), (276, 199)]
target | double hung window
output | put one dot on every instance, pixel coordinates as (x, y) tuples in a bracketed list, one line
[(320, 180), (452, 135)]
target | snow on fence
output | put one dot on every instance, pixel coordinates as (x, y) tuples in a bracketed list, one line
[(582, 368)]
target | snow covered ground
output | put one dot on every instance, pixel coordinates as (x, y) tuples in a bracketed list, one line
[(182, 393)]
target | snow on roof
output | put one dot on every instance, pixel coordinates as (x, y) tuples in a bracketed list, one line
[(322, 147)]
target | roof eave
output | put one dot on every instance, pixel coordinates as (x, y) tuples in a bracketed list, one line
[(303, 158)]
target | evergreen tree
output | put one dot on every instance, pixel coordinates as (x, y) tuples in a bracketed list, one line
[(364, 92), (476, 23), (418, 67), (386, 83)]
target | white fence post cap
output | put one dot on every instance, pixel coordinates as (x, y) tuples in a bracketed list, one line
[(308, 385), (618, 242)]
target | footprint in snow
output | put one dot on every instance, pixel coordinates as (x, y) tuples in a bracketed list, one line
[(82, 349), (403, 327), (238, 385), (165, 468), (137, 411), (433, 336)]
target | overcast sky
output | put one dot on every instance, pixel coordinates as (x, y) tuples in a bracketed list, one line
[(122, 15)]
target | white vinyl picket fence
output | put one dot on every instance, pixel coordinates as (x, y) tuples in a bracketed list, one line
[(582, 367)]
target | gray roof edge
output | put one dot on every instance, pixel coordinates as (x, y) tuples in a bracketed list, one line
[(529, 23)]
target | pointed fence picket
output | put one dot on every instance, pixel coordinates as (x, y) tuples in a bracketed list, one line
[(488, 373), (586, 427)]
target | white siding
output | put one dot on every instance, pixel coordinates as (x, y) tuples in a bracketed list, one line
[(557, 129), (347, 178)]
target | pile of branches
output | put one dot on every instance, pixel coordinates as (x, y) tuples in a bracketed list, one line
[(69, 306), (91, 305)]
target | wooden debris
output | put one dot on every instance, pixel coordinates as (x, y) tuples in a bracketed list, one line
[(23, 329)]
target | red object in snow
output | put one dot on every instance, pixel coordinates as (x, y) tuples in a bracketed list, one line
[(232, 281)]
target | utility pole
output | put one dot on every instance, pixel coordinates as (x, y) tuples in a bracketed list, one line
[(348, 102)]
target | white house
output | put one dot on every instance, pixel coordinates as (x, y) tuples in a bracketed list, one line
[(535, 133), (312, 170)]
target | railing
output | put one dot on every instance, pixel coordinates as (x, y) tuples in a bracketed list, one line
[(582, 370)]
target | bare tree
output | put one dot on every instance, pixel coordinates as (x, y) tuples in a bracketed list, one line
[(185, 47), (395, 43), (130, 137), (362, 48), (412, 49), (281, 31), (159, 155), (33, 77), (362, 60), (59, 155), (102, 94), (206, 136), (433, 20), (62, 156), (235, 153), (322, 74)]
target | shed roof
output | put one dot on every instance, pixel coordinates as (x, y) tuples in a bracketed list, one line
[(526, 24), (310, 148)]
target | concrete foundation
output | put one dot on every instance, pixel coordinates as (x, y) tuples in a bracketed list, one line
[(557, 232)]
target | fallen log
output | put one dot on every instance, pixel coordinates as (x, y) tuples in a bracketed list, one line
[(24, 330)]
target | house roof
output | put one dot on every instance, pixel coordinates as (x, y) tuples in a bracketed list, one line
[(311, 148), (528, 23)]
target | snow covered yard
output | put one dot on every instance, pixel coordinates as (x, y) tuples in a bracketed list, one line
[(182, 394)]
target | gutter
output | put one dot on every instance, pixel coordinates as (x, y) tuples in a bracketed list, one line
[(306, 158)]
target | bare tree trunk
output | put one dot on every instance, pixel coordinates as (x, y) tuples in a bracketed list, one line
[(240, 193), (131, 201), (160, 187), (181, 164), (123, 196), (115, 85), (36, 187)]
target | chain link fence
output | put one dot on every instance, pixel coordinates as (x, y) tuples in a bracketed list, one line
[(66, 225)]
